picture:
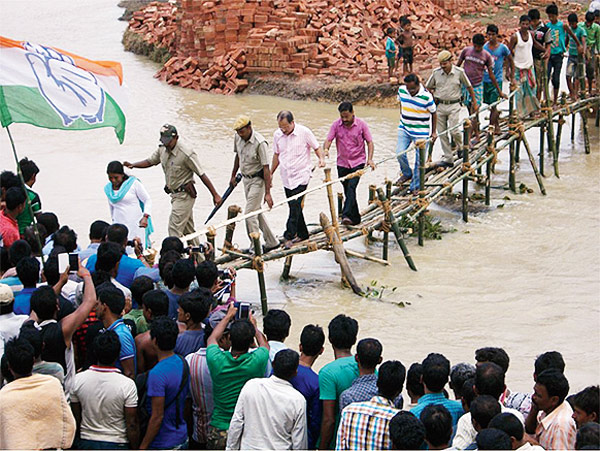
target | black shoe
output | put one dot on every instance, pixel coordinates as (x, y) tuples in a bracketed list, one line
[(269, 248)]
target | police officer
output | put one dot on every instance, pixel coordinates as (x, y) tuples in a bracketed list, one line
[(252, 160), (445, 83), (179, 164)]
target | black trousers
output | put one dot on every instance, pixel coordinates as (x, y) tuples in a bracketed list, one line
[(350, 209), (295, 227)]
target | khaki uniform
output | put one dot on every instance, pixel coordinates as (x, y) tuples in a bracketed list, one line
[(253, 156), (179, 166), (447, 87)]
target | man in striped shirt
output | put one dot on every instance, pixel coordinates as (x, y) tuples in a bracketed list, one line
[(292, 144), (365, 425), (417, 107)]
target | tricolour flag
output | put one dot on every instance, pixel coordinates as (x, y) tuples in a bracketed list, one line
[(51, 88)]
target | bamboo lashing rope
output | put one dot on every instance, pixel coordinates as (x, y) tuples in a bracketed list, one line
[(311, 246), (258, 264)]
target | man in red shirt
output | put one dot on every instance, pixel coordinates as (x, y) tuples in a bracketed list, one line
[(9, 228)]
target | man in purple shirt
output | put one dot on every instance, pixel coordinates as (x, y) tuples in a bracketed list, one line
[(350, 134)]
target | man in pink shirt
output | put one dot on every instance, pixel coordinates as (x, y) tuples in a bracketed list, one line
[(350, 134), (15, 204), (292, 144)]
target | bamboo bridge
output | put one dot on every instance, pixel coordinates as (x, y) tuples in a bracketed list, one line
[(389, 204)]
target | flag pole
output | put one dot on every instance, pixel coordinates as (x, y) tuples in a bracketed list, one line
[(28, 202)]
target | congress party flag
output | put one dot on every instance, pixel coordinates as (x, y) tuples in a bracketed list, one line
[(51, 88)]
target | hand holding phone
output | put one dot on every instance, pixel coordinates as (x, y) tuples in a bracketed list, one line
[(243, 310)]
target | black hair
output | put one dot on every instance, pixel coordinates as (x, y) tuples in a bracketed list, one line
[(18, 251), (524, 18), (14, 197), (287, 115), (165, 267), (115, 167), (404, 20), (98, 230), (588, 400), (112, 297), (467, 392), (483, 409), (493, 439), (31, 238), (66, 238), (9, 179), (411, 78), (28, 271), (44, 302), (552, 9), (285, 364), (28, 169), (478, 39), (20, 356), (492, 28), (346, 106), (588, 436), (555, 382), (197, 303), (206, 274), (459, 373), (390, 30), (489, 380), (34, 336), (572, 18), (548, 360), (171, 243), (107, 347), (117, 233), (276, 325), (413, 379), (157, 302), (343, 331), (438, 424), (390, 379), (436, 369), (50, 221), (312, 339), (183, 273), (4, 259), (165, 330), (368, 351), (534, 14), (51, 271), (108, 256), (241, 333), (508, 423), (140, 286), (406, 431), (589, 16)]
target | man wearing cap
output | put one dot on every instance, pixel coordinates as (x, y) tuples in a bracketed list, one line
[(252, 160), (445, 83), (179, 165), (10, 324)]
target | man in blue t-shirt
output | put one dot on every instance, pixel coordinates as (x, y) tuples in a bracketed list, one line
[(167, 390), (499, 53), (110, 307), (117, 233), (307, 381)]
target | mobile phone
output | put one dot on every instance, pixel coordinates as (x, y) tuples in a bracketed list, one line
[(243, 310), (197, 249), (63, 262), (73, 262)]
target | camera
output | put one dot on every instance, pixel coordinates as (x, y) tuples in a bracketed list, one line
[(197, 249), (243, 311), (131, 243), (226, 276)]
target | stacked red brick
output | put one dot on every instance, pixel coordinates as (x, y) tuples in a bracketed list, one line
[(157, 24)]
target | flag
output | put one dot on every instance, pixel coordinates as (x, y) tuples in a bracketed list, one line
[(48, 87)]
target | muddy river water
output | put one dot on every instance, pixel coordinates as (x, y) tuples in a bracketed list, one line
[(525, 277)]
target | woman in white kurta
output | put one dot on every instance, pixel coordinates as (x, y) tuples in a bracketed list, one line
[(129, 203)]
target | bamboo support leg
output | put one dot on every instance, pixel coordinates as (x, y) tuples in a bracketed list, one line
[(488, 170), (287, 266), (340, 203), (584, 125), (552, 145), (334, 220), (466, 164), (573, 127), (542, 140), (561, 122), (366, 257), (583, 112), (386, 234), (258, 264), (397, 232), (533, 165), (421, 219), (210, 237), (517, 151), (232, 212), (372, 193), (512, 183)]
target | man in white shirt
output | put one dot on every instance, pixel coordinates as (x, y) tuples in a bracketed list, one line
[(285, 425), (489, 380), (9, 322), (105, 401), (276, 327)]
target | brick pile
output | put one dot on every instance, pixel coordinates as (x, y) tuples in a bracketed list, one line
[(219, 42)]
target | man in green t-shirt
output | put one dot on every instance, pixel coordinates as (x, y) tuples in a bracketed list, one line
[(592, 42), (337, 376), (230, 370), (30, 171), (577, 52)]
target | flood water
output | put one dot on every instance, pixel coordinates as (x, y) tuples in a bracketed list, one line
[(525, 277)]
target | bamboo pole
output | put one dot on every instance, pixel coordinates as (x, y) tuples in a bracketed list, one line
[(573, 126), (372, 193), (210, 236), (259, 266), (466, 166), (488, 170), (287, 266), (583, 113), (512, 184), (533, 165), (420, 145), (542, 139), (517, 151), (552, 145), (340, 203), (366, 257), (236, 254), (396, 230), (232, 212), (334, 220), (561, 121)]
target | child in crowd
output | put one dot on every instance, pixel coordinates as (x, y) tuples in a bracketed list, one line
[(390, 52), (407, 39), (576, 53)]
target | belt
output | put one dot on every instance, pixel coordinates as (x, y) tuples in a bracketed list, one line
[(260, 174), (448, 102), (181, 189)]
